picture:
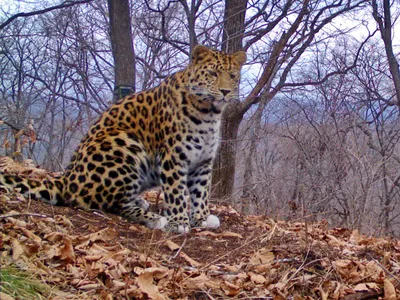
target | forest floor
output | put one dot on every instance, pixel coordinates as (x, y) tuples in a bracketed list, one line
[(80, 254)]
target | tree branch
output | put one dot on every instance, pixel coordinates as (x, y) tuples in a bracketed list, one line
[(65, 4), (385, 27)]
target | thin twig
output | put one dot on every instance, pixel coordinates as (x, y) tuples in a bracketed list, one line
[(42, 11), (25, 215), (179, 250)]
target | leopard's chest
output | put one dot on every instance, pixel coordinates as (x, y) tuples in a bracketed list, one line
[(201, 144)]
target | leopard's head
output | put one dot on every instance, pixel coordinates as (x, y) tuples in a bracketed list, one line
[(214, 75)]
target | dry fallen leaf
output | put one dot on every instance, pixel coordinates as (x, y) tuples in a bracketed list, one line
[(231, 234), (31, 235), (348, 270), (90, 286), (197, 283), (54, 236), (219, 235), (230, 289), (17, 250), (93, 257), (171, 245), (206, 232), (386, 258), (67, 251), (355, 237), (256, 278), (132, 292), (374, 272), (16, 222), (191, 261), (63, 220), (262, 256), (333, 241), (145, 283), (361, 287), (324, 295), (157, 272), (232, 269), (365, 287), (390, 291)]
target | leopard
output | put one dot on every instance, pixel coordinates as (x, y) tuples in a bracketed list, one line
[(166, 136)]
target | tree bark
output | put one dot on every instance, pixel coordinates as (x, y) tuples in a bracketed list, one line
[(122, 48), (234, 17), (225, 164), (255, 127)]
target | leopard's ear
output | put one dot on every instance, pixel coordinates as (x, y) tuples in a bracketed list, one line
[(199, 53), (240, 57)]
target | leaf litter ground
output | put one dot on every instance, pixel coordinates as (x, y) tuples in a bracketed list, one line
[(92, 255)]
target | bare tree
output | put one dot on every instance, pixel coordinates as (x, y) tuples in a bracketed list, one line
[(291, 42)]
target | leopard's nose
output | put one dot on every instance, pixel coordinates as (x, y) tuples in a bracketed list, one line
[(225, 91)]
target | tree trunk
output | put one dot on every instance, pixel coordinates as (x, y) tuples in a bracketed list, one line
[(122, 48), (385, 28), (255, 130), (225, 164), (235, 11)]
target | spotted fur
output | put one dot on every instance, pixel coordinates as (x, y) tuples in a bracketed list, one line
[(166, 136)]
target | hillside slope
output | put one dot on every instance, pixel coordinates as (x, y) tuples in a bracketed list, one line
[(91, 255)]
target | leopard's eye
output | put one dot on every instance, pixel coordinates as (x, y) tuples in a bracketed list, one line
[(212, 73), (233, 76)]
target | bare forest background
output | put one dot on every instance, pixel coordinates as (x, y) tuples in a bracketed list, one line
[(314, 134)]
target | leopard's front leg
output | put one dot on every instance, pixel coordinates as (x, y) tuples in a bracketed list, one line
[(199, 181), (174, 185)]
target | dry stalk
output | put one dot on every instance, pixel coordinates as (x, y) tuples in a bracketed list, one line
[(25, 215), (179, 250)]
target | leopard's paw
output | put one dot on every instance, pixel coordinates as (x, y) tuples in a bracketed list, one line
[(161, 223), (177, 228), (212, 222)]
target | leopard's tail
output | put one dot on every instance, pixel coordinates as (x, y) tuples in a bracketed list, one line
[(47, 190)]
